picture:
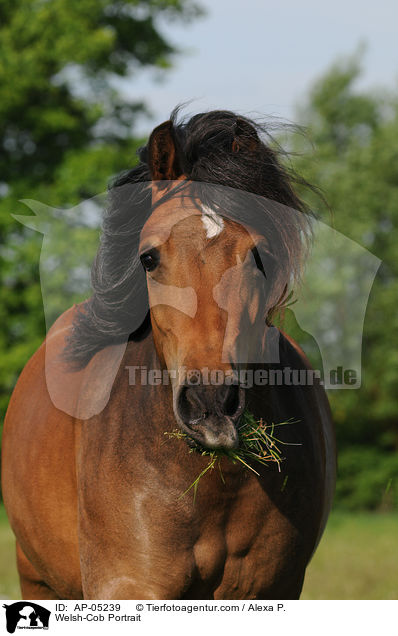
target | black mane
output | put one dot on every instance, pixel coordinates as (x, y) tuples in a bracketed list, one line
[(118, 308)]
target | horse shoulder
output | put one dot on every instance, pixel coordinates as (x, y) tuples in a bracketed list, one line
[(39, 484)]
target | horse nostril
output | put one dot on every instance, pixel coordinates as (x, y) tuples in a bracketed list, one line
[(208, 414), (231, 399), (191, 406), (196, 404), (183, 404)]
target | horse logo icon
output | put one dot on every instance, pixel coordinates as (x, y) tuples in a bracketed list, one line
[(26, 615)]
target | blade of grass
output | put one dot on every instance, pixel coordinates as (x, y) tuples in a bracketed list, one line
[(257, 443)]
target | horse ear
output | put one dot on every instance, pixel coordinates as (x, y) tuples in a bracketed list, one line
[(245, 136), (162, 153)]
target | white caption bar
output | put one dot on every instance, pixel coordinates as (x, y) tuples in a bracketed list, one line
[(194, 617)]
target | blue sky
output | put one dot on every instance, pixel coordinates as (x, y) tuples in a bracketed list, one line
[(257, 56)]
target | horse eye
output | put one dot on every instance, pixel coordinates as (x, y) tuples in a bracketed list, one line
[(149, 260)]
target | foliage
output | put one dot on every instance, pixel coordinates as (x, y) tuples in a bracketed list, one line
[(355, 154), (367, 479)]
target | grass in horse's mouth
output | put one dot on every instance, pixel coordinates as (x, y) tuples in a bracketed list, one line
[(257, 443)]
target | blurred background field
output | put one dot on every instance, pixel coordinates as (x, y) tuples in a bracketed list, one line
[(9, 583), (356, 559), (72, 116)]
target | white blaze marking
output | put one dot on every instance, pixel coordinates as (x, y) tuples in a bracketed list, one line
[(212, 222)]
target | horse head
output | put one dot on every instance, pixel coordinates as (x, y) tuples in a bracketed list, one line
[(200, 242), (211, 283)]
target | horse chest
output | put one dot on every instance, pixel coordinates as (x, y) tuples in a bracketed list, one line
[(237, 539), (243, 556), (233, 546)]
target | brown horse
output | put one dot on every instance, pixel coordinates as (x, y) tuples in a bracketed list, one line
[(91, 483)]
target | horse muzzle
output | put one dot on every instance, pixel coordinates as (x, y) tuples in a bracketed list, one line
[(210, 414)]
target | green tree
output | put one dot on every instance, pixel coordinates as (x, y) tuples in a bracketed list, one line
[(64, 129), (354, 163)]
